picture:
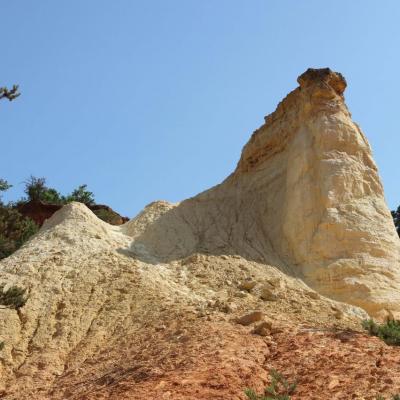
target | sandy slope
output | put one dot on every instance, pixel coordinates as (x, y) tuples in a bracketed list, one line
[(96, 310)]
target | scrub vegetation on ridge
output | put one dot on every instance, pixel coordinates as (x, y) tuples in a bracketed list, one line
[(16, 228)]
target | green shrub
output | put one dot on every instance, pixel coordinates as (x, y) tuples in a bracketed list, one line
[(2, 344), (36, 190), (396, 219), (15, 230), (394, 397), (82, 195), (4, 185), (279, 389), (9, 94), (389, 332), (13, 297)]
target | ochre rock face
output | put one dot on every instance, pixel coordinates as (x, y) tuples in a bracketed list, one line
[(334, 225), (305, 196), (38, 211)]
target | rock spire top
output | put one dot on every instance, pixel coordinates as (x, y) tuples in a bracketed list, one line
[(323, 77)]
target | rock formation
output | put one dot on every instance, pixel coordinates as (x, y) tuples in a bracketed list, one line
[(305, 196), (193, 300)]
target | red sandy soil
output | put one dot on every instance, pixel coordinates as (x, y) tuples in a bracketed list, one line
[(218, 360)]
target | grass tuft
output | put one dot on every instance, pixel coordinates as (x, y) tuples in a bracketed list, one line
[(279, 389), (389, 332), (13, 297)]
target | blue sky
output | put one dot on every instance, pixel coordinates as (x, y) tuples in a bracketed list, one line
[(148, 100)]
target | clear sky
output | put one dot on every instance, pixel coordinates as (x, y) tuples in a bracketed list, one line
[(149, 100)]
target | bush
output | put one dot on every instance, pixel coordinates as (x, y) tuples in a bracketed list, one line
[(82, 195), (389, 332), (396, 219), (36, 190), (4, 185), (15, 230), (9, 94), (13, 297), (279, 389)]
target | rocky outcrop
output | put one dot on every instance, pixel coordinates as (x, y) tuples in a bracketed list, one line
[(37, 211), (305, 196)]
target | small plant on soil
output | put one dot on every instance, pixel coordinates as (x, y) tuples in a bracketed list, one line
[(394, 397), (279, 389), (2, 344), (13, 297), (389, 332)]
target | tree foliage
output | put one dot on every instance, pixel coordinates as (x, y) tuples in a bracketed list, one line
[(396, 219), (389, 331), (82, 195), (4, 185), (15, 230), (37, 190), (9, 94)]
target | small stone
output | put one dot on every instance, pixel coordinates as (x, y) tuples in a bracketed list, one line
[(333, 383), (247, 285), (276, 282), (267, 294), (160, 328), (313, 295), (244, 267), (339, 314), (250, 318), (277, 330), (263, 329), (224, 306)]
